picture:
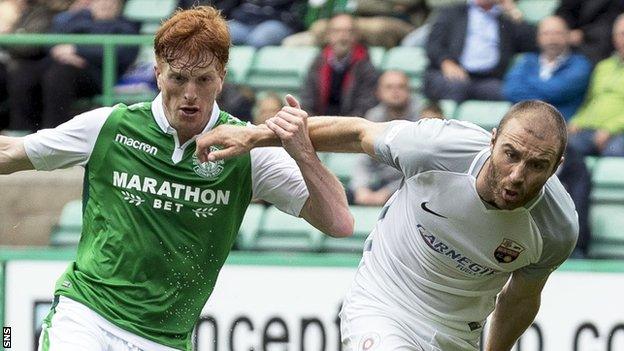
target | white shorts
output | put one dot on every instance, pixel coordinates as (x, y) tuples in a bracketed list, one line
[(370, 333), (74, 326), (370, 320)]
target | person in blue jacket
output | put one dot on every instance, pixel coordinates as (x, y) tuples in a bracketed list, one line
[(555, 75)]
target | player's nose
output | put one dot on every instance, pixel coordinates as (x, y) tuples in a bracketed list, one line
[(190, 92), (517, 174)]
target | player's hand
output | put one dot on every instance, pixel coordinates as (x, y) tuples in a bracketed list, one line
[(454, 72), (576, 37), (572, 129), (291, 126), (67, 54), (233, 141), (601, 137)]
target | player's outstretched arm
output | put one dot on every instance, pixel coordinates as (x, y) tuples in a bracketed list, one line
[(13, 156), (516, 308), (326, 207), (332, 134)]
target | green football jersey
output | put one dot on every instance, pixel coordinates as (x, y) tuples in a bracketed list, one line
[(155, 233)]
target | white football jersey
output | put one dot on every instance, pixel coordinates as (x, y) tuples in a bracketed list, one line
[(439, 254)]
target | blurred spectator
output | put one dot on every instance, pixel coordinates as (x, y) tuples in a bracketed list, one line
[(237, 100), (373, 183), (378, 23), (265, 22), (432, 110), (591, 23), (10, 13), (395, 102), (554, 75), (386, 22), (69, 71), (597, 129), (414, 12), (28, 17), (226, 6), (470, 47), (342, 79), (267, 106)]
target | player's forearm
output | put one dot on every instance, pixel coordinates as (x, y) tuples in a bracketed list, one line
[(332, 134), (338, 134), (504, 330), (326, 207), (13, 155)]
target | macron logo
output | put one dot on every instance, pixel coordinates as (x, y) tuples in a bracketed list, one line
[(122, 139)]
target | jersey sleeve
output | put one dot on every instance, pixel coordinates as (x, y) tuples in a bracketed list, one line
[(276, 178), (430, 144), (558, 221), (69, 144), (554, 253)]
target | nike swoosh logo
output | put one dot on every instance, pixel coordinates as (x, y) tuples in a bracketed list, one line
[(424, 207)]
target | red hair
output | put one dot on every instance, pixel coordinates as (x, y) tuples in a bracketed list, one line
[(193, 38)]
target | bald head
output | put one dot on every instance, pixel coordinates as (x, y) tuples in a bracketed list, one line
[(553, 37), (543, 121)]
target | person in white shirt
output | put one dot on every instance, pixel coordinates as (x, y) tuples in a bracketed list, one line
[(476, 227)]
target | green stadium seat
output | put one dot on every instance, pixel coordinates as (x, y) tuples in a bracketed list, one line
[(411, 60), (282, 232), (607, 225), (365, 220), (449, 108), (149, 10), (324, 9), (608, 180), (241, 58), (535, 10), (485, 114), (149, 27), (280, 68), (590, 162), (250, 226), (376, 54), (342, 165), (67, 231)]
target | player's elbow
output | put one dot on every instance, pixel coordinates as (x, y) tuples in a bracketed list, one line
[(343, 226), (10, 154)]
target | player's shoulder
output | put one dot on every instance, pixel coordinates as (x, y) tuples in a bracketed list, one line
[(555, 214), (226, 118), (442, 132), (450, 138)]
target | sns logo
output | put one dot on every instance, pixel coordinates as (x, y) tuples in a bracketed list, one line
[(6, 337), (209, 170)]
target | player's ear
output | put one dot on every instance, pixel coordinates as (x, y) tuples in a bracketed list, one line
[(157, 73), (493, 139)]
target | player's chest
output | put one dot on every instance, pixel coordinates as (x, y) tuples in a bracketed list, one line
[(454, 225), (140, 175)]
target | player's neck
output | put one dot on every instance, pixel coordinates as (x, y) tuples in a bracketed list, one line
[(484, 190)]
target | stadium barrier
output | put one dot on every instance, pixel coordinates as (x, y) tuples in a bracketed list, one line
[(108, 43), (268, 301)]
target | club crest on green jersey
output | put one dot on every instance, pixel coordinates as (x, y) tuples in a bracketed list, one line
[(209, 170)]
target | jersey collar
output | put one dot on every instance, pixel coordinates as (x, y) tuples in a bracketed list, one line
[(159, 115), (475, 168)]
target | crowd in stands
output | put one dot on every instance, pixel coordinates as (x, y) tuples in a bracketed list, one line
[(475, 49)]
